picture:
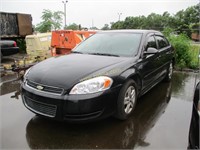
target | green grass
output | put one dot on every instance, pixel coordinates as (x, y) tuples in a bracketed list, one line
[(194, 52)]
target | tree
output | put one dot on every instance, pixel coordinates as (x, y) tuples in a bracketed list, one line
[(73, 26), (185, 18), (94, 28), (51, 21), (184, 21), (105, 27), (195, 27), (117, 25)]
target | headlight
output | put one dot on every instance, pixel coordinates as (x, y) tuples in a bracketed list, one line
[(93, 85)]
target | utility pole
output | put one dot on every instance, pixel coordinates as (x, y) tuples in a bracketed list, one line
[(92, 23), (119, 14), (65, 2)]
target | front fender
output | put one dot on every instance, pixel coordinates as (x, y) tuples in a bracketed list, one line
[(128, 73), (132, 74)]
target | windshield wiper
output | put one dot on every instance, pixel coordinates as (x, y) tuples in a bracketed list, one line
[(104, 54), (76, 52)]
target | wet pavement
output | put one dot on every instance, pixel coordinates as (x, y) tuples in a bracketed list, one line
[(161, 120)]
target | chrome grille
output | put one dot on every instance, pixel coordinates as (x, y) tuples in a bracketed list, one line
[(39, 107), (49, 89)]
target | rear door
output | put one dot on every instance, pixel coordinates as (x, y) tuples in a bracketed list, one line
[(164, 54)]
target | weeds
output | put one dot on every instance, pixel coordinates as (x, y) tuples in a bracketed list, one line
[(186, 54)]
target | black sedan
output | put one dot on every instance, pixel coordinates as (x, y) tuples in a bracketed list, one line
[(8, 47), (194, 124), (103, 76)]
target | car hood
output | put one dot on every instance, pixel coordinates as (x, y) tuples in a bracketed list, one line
[(65, 71)]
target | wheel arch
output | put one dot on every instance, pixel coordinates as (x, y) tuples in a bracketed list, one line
[(132, 74), (137, 80)]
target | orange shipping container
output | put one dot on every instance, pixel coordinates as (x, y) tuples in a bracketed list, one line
[(63, 41)]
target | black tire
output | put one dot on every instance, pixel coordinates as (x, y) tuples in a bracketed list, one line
[(123, 111), (168, 76), (1, 55)]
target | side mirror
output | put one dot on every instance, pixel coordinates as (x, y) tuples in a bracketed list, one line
[(150, 50)]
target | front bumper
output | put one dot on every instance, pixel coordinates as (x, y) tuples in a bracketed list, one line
[(72, 108)]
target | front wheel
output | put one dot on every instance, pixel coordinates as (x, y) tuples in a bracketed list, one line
[(126, 100)]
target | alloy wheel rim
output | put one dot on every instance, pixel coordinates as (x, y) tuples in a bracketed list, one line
[(129, 100), (170, 71)]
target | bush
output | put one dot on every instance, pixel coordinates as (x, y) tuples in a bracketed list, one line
[(194, 53), (182, 46), (184, 53), (21, 43)]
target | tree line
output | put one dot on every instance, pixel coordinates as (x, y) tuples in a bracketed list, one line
[(184, 21)]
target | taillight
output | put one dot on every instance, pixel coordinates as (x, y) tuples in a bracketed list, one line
[(15, 44)]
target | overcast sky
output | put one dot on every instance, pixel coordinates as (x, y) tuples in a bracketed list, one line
[(100, 11)]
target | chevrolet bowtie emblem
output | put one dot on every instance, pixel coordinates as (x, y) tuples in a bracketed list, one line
[(39, 87)]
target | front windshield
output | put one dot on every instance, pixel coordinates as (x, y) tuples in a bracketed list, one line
[(119, 44)]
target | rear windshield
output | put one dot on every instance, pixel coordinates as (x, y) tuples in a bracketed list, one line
[(121, 44)]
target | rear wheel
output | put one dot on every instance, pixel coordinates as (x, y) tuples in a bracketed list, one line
[(126, 100), (1, 55), (169, 73)]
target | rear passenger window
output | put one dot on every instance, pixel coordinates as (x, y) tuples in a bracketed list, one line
[(162, 42), (151, 42)]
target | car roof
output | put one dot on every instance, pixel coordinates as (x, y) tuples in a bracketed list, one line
[(132, 31)]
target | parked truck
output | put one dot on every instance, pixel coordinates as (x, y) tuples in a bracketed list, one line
[(15, 25)]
